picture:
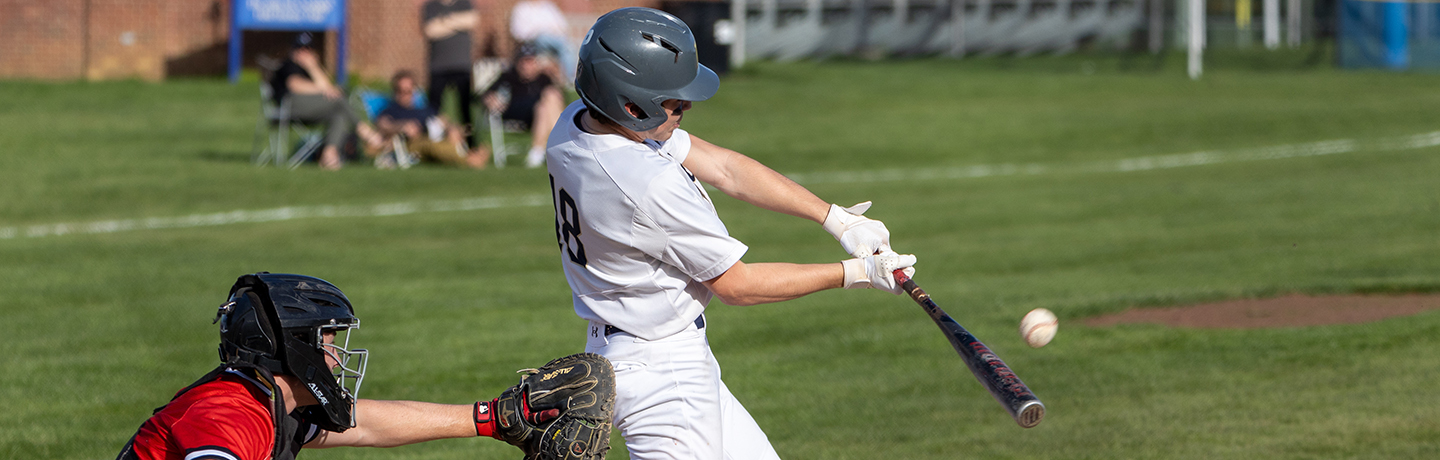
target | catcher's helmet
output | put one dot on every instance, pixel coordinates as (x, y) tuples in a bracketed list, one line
[(279, 322), (641, 56)]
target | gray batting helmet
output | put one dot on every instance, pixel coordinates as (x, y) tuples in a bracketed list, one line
[(640, 56)]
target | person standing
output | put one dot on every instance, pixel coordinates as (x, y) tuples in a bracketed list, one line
[(540, 22), (644, 250), (449, 27)]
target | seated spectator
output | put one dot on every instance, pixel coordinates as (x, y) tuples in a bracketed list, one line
[(528, 99), (314, 98), (426, 133)]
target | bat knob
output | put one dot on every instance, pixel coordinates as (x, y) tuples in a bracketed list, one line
[(1030, 414)]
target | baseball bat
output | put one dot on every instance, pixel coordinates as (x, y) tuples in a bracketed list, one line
[(993, 374)]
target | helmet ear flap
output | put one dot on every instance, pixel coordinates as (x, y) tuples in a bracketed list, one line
[(249, 330), (266, 324)]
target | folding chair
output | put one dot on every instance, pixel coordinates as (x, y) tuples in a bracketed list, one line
[(373, 102), (486, 72), (275, 124), (399, 156)]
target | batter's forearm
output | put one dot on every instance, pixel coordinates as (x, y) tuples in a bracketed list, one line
[(761, 186), (752, 284), (747, 180)]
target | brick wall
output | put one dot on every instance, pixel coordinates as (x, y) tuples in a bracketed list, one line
[(94, 39), (153, 39), (42, 39), (126, 40), (385, 37), (197, 32)]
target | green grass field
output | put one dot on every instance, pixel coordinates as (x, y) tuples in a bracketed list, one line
[(101, 327)]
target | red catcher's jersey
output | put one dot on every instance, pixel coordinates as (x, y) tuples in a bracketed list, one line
[(227, 418)]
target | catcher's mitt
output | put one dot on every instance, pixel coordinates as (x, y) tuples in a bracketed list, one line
[(581, 388)]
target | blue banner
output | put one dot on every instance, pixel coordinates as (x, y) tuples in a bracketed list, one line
[(1395, 35), (297, 15), (289, 14)]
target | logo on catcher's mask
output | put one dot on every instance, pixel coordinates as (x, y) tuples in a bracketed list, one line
[(320, 396)]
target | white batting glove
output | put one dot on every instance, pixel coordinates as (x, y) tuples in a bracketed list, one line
[(859, 235), (876, 271)]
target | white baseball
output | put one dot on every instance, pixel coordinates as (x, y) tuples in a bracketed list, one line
[(1038, 327)]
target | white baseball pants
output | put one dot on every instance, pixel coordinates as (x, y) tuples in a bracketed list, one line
[(670, 403)]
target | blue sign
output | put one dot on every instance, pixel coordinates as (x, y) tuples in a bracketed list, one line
[(289, 14), (297, 15), (1396, 35)]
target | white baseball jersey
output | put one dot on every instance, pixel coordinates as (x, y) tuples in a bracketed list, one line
[(637, 231)]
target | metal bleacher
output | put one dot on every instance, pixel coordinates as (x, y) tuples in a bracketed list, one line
[(795, 29)]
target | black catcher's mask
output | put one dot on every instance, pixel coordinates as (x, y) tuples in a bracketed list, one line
[(281, 322)]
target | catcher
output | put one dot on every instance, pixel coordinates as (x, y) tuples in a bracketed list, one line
[(289, 380)]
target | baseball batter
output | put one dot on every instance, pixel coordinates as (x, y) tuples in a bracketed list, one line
[(644, 250)]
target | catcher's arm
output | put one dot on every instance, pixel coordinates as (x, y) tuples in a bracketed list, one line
[(397, 423)]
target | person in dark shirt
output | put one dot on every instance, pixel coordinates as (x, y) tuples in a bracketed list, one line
[(448, 26), (528, 99), (426, 133), (314, 98)]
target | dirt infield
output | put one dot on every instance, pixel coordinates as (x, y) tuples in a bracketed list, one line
[(1289, 311)]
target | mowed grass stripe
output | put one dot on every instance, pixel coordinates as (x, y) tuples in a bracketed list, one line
[(1147, 163), (272, 215)]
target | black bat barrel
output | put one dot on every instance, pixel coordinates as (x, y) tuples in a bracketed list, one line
[(993, 374)]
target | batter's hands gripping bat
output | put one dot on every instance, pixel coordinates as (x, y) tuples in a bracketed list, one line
[(993, 374)]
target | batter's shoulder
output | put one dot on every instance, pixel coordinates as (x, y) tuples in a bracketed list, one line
[(634, 169)]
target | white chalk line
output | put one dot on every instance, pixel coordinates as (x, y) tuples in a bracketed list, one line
[(1123, 165), (844, 177), (271, 215)]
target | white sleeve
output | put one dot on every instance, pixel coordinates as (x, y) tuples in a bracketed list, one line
[(678, 147), (679, 227)]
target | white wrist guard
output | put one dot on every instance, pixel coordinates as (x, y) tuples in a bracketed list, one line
[(855, 277), (877, 271)]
